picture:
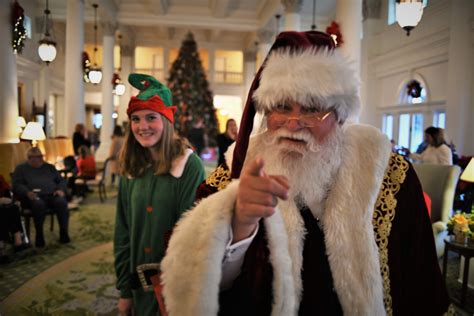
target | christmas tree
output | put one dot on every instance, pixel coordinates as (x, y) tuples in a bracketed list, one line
[(191, 94)]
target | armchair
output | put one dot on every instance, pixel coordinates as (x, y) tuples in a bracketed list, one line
[(439, 182)]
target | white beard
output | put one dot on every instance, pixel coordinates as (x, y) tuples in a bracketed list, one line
[(310, 169)]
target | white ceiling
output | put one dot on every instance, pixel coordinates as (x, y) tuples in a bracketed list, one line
[(224, 23)]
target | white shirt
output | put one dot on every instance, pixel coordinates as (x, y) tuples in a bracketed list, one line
[(234, 258), (441, 155)]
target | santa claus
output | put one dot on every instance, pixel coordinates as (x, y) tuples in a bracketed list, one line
[(319, 218)]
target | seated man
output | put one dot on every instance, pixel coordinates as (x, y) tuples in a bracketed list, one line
[(40, 186)]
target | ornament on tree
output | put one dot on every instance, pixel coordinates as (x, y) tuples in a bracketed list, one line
[(18, 28), (191, 93)]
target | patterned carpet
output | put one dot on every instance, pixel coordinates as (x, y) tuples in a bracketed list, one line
[(90, 225)]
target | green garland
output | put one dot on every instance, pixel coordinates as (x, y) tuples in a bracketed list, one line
[(18, 28)]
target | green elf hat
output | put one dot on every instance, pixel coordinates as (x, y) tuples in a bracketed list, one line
[(153, 96)]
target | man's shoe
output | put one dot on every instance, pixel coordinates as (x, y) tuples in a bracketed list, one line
[(40, 242), (20, 248), (64, 238), (4, 259)]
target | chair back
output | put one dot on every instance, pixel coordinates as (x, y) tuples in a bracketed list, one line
[(439, 182), (105, 174)]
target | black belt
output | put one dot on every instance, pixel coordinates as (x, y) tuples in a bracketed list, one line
[(142, 278)]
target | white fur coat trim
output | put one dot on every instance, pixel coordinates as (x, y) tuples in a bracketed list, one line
[(304, 76), (192, 266)]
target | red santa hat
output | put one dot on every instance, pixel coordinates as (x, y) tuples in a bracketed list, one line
[(304, 67)]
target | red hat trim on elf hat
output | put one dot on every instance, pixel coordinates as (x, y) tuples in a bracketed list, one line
[(155, 103), (153, 96)]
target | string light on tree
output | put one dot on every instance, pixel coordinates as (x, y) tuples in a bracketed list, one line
[(18, 29)]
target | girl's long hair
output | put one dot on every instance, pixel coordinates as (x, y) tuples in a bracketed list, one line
[(135, 159)]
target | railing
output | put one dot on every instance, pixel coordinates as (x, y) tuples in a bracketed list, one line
[(228, 77)]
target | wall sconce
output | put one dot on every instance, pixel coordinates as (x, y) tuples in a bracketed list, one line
[(34, 132), (47, 46), (118, 86), (95, 73), (408, 13)]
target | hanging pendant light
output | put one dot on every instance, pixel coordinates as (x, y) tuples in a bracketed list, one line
[(95, 73), (408, 13), (47, 46), (313, 25)]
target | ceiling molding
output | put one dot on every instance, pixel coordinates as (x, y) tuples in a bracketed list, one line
[(220, 8), (159, 7), (234, 24)]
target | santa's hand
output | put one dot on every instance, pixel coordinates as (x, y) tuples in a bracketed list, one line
[(256, 198)]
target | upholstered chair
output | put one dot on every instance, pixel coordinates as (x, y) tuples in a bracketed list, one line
[(439, 182)]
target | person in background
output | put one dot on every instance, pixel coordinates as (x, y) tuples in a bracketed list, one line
[(115, 147), (225, 139), (160, 174), (197, 135), (86, 164), (79, 138), (10, 222), (321, 218), (437, 152), (40, 186)]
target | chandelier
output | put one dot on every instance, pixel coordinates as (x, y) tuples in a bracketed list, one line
[(95, 73), (47, 46), (408, 13)]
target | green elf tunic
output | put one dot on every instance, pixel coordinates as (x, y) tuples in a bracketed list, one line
[(148, 207)]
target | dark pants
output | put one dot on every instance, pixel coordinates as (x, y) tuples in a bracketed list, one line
[(38, 208), (10, 221)]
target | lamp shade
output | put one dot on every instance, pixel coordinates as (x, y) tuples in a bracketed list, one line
[(119, 89), (34, 132), (468, 173), (408, 13), (20, 121), (47, 50), (95, 75)]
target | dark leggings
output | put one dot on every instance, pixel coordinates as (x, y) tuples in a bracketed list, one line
[(10, 221)]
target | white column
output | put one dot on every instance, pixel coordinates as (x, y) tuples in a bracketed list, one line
[(126, 69), (264, 44), (107, 106), (166, 62), (250, 60), (292, 14), (74, 111), (349, 17), (460, 77), (8, 79), (211, 62)]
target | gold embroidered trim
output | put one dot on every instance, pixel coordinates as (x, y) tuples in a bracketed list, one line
[(219, 178), (383, 216)]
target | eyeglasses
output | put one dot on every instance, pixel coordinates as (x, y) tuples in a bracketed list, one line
[(35, 156), (305, 120)]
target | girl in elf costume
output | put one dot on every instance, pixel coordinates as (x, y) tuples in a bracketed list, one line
[(160, 176)]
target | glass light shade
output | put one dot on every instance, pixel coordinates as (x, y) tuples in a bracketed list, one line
[(119, 89), (20, 121), (47, 50), (95, 75), (34, 132), (468, 173), (408, 14)]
